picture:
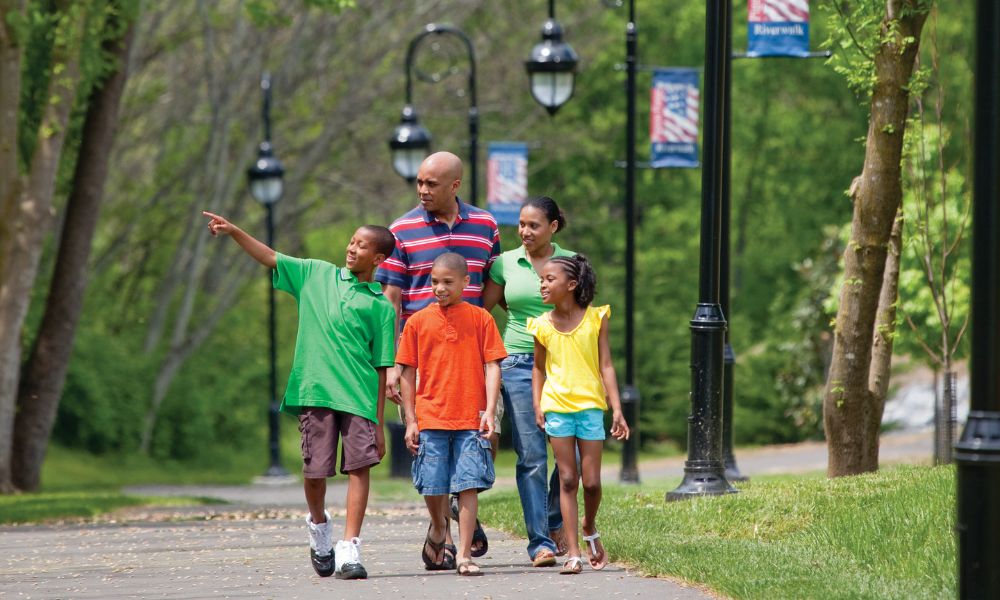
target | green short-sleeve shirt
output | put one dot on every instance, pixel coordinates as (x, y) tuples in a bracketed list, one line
[(513, 270), (345, 334)]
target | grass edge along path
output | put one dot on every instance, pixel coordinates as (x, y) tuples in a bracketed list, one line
[(881, 535), (42, 507)]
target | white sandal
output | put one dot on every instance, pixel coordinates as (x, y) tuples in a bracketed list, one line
[(572, 566), (592, 540)]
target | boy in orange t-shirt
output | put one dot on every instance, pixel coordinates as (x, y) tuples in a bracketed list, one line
[(456, 349)]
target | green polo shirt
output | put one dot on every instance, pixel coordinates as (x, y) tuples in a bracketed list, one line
[(513, 270), (345, 333)]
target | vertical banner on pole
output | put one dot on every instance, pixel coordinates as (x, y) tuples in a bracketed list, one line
[(506, 180), (778, 28), (673, 118)]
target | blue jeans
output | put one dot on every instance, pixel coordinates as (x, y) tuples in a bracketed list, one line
[(539, 499)]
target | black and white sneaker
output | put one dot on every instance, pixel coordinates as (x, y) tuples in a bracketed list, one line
[(321, 546), (348, 561)]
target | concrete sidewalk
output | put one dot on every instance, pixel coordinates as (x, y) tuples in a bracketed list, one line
[(255, 546), (244, 551)]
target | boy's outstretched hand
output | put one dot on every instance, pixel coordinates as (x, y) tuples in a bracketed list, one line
[(619, 428), (256, 249), (218, 224)]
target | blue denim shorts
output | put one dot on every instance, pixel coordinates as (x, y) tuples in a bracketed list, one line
[(584, 425), (451, 462)]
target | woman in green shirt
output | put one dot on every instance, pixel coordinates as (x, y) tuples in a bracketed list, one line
[(514, 284)]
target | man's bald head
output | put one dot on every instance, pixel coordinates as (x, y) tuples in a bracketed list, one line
[(438, 180), (444, 164)]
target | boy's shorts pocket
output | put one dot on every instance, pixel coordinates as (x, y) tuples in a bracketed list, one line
[(415, 468), (489, 473), (304, 431)]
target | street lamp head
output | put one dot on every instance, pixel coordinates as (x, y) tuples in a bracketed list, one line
[(265, 176), (551, 68), (410, 144)]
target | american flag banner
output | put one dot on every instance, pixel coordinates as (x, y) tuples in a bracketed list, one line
[(673, 118), (506, 180), (778, 28)]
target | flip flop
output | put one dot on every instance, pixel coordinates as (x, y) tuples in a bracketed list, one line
[(447, 556), (544, 558), (479, 537), (573, 566), (598, 560), (467, 568)]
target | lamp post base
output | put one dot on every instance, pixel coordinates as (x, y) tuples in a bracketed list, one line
[(275, 475), (704, 479), (630, 447), (733, 472), (977, 478)]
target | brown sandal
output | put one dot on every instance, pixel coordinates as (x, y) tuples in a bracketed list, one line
[(467, 568), (544, 558)]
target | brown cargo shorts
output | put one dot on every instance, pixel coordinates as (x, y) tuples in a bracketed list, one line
[(320, 429)]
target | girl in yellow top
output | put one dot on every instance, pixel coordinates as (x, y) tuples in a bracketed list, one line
[(572, 377)]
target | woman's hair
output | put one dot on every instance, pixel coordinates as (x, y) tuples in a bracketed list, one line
[(549, 208), (578, 269)]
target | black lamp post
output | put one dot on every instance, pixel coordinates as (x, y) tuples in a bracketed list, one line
[(411, 142), (704, 472), (266, 186), (630, 393), (552, 66), (977, 454), (728, 457)]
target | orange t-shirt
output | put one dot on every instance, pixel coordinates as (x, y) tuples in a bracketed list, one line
[(449, 347)]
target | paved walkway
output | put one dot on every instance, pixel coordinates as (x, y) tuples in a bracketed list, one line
[(240, 551), (255, 547)]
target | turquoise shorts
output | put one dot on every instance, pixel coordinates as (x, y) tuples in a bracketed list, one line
[(584, 425)]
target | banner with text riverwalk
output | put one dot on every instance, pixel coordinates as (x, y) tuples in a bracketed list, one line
[(778, 28), (673, 118), (506, 180)]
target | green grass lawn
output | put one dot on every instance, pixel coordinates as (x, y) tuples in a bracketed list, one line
[(883, 535)]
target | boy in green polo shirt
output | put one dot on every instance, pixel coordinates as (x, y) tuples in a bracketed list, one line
[(337, 384)]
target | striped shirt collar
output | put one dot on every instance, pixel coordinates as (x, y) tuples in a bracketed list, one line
[(463, 212)]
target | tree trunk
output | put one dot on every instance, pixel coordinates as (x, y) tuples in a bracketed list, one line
[(26, 209), (10, 192), (851, 408), (45, 371)]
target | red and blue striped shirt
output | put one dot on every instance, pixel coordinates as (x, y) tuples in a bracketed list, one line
[(420, 238)]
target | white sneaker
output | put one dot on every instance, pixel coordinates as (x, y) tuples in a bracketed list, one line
[(321, 545), (348, 560)]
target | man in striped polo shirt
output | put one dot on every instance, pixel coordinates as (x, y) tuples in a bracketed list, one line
[(441, 223)]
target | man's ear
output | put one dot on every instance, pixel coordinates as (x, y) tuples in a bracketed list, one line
[(378, 259), (456, 184), (466, 279)]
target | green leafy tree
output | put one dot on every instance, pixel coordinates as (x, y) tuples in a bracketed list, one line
[(35, 108), (879, 42)]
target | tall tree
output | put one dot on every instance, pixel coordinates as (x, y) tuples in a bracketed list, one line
[(27, 179), (886, 36), (44, 372)]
